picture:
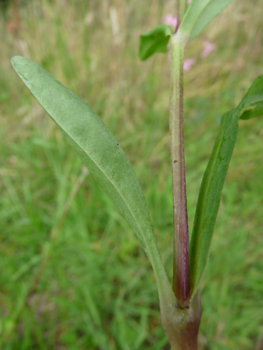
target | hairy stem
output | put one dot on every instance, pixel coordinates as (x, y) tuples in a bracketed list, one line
[(181, 285)]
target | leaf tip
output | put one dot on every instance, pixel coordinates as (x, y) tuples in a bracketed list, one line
[(17, 62)]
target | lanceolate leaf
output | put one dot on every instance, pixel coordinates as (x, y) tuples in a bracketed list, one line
[(213, 181), (99, 151), (199, 14), (155, 40)]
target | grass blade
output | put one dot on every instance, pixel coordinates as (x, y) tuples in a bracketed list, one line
[(213, 181)]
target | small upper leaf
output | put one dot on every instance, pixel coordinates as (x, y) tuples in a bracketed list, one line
[(155, 40), (213, 181), (254, 100), (199, 14)]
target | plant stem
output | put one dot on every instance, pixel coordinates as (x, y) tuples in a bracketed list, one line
[(182, 325), (181, 322), (181, 284)]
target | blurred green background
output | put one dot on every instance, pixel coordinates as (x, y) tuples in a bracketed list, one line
[(73, 276)]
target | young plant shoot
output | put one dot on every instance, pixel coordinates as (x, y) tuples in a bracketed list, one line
[(180, 303)]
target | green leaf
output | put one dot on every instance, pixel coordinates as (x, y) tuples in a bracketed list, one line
[(213, 181), (254, 100), (99, 151), (199, 14), (156, 40)]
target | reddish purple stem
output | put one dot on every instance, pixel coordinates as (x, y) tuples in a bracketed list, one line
[(181, 284)]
